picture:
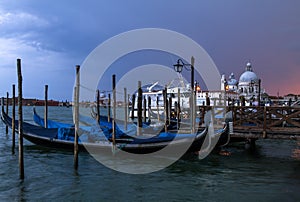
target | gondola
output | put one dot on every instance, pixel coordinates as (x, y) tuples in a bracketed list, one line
[(223, 139), (125, 136), (61, 138)]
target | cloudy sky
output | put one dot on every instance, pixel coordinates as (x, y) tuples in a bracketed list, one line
[(52, 37)]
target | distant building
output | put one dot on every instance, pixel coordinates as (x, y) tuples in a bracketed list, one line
[(291, 97), (31, 102), (42, 103), (248, 86)]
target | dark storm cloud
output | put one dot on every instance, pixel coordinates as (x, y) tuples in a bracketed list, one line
[(233, 32)]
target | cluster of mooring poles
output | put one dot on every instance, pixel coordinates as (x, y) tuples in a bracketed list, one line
[(20, 117)]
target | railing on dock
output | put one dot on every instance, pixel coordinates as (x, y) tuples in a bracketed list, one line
[(266, 122)]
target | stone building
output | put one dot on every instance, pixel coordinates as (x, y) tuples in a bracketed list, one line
[(248, 86)]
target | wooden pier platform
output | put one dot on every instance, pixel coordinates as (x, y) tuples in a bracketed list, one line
[(260, 122)]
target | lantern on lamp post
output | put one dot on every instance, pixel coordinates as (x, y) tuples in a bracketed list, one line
[(178, 67)]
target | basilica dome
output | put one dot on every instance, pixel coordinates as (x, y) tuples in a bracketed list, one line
[(248, 76)]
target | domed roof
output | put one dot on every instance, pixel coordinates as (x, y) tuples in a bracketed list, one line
[(232, 80), (248, 76)]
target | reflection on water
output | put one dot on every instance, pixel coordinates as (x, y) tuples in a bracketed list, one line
[(296, 152), (269, 173)]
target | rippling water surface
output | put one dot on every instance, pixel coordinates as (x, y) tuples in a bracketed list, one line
[(270, 173)]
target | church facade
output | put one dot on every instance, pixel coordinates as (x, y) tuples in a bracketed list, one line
[(248, 86)]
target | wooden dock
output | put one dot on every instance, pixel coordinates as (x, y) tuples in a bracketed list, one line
[(260, 122)]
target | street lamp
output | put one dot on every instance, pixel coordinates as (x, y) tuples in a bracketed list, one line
[(179, 67)]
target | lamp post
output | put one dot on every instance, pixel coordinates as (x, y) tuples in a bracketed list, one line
[(178, 68), (180, 65)]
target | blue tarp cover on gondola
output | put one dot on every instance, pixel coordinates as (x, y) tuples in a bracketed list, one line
[(51, 124), (66, 134)]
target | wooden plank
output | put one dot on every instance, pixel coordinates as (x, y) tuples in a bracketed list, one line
[(294, 123)]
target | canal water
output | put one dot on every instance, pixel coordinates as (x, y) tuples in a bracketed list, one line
[(270, 173)]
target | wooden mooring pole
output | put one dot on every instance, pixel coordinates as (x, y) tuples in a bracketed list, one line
[(165, 109), (167, 112), (7, 95), (149, 107), (265, 123), (193, 106), (139, 107), (98, 107), (178, 109), (20, 116), (203, 110), (170, 109), (157, 108), (108, 108), (76, 116), (2, 104), (132, 106), (46, 107), (145, 109), (114, 109), (13, 126), (125, 109)]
